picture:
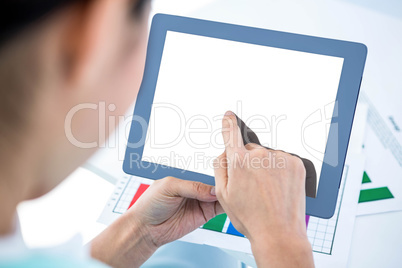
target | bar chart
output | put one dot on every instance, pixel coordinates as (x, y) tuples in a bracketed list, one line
[(133, 187), (320, 232)]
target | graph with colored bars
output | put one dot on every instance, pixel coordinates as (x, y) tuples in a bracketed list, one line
[(320, 232), (128, 192), (373, 194), (381, 189), (129, 189)]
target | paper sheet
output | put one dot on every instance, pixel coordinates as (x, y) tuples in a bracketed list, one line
[(331, 238), (381, 190), (382, 184)]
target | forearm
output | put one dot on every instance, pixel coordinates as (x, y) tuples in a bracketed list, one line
[(123, 244), (282, 251)]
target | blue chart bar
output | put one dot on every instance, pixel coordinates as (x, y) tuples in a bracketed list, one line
[(233, 231)]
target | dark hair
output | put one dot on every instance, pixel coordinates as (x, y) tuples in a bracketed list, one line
[(15, 15)]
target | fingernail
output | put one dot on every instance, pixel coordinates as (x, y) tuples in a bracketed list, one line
[(229, 113), (213, 190)]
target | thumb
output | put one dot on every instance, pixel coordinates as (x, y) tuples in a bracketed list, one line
[(190, 189), (231, 135)]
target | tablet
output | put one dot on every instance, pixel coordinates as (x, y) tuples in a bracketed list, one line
[(297, 93)]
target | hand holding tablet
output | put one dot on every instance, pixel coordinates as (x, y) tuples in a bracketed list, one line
[(259, 200), (297, 92)]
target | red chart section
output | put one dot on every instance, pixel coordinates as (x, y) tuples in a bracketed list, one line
[(139, 192)]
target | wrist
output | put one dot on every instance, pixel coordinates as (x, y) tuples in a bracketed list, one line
[(287, 248), (138, 238), (124, 243)]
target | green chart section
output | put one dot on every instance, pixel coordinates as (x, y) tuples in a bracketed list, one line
[(216, 224), (374, 194), (366, 178)]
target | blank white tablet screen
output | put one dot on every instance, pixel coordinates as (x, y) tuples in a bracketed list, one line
[(286, 97)]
